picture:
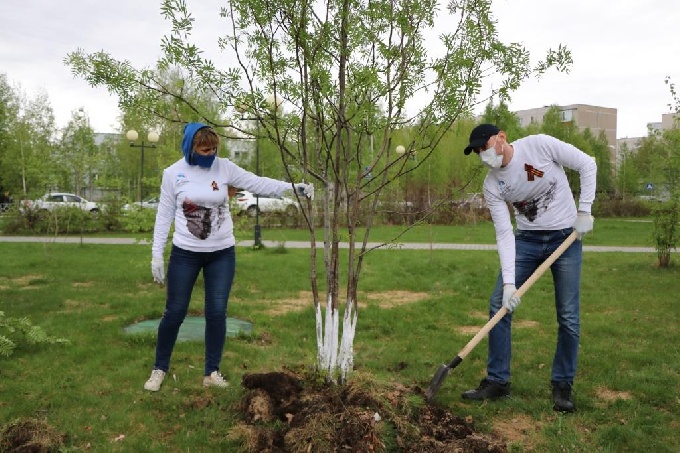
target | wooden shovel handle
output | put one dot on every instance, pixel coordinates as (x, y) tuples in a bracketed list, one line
[(519, 293)]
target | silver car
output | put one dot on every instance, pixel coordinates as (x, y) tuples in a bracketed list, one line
[(54, 200), (149, 203), (245, 201)]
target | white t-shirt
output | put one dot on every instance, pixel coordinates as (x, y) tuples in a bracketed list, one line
[(535, 184), (197, 200)]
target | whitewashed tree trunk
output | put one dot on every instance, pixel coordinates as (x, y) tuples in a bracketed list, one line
[(337, 362), (346, 354)]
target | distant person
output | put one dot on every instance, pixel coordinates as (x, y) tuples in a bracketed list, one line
[(5, 200), (529, 174), (194, 194)]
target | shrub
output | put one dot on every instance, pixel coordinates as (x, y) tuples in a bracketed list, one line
[(138, 220), (665, 230), (620, 207), (109, 218), (14, 331)]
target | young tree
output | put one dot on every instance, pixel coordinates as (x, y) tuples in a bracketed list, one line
[(666, 215), (627, 173), (506, 120), (671, 140), (9, 113), (365, 93), (649, 160), (78, 156), (31, 145)]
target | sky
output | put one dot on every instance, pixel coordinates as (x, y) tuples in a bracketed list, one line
[(622, 51)]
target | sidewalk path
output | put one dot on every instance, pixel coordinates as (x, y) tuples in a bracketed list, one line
[(304, 244)]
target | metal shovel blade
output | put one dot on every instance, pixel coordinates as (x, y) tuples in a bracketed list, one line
[(439, 376), (436, 382)]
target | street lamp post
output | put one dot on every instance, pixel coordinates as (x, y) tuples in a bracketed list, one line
[(257, 239), (274, 104), (152, 137)]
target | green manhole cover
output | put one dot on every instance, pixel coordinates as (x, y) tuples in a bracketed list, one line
[(193, 328)]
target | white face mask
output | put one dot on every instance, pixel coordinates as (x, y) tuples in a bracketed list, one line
[(490, 158)]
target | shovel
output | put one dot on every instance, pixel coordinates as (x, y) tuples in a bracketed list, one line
[(444, 368)]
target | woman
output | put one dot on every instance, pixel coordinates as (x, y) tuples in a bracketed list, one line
[(194, 194)]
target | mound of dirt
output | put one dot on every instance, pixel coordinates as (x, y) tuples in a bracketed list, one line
[(286, 412), (29, 435)]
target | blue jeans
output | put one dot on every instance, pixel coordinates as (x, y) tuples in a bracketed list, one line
[(218, 274), (532, 249)]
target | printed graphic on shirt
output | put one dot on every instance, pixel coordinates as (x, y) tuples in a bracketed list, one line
[(532, 208), (532, 172), (215, 186), (199, 221), (202, 221)]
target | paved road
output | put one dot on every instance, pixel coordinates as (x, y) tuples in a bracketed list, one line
[(304, 244)]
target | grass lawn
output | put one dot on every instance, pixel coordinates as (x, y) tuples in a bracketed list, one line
[(607, 232), (418, 309), (622, 232)]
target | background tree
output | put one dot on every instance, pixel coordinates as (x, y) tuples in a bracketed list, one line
[(598, 147), (666, 215), (649, 161), (506, 120), (78, 156), (342, 75), (10, 179), (628, 176), (31, 144)]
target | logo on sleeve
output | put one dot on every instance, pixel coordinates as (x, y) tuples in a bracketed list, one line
[(532, 172), (503, 187)]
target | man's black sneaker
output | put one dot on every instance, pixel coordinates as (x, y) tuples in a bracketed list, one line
[(562, 400), (488, 390)]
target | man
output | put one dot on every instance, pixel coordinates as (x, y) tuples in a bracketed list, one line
[(528, 173)]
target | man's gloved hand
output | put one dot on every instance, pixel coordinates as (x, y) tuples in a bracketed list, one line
[(583, 224), (158, 269), (510, 301), (305, 189)]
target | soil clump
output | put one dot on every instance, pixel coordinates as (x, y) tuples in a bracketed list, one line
[(287, 412)]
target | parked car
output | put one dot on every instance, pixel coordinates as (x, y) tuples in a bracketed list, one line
[(246, 202), (54, 200), (471, 200), (149, 203)]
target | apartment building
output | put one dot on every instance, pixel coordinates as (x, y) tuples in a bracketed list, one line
[(597, 119), (668, 121)]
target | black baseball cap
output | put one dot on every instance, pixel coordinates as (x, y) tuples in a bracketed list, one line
[(480, 135)]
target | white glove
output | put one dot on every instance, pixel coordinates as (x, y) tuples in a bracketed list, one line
[(158, 269), (510, 301), (583, 224), (305, 189)]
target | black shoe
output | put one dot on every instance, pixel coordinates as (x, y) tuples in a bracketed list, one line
[(488, 390), (562, 400)]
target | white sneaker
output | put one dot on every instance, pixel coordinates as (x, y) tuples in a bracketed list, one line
[(155, 381), (214, 380)]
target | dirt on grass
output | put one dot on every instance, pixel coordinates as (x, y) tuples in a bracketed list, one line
[(26, 435), (383, 299), (288, 412)]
